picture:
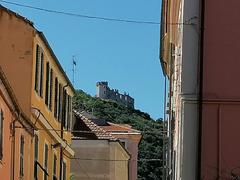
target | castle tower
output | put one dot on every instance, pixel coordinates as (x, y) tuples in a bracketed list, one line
[(102, 88)]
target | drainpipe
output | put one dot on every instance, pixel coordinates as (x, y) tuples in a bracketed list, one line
[(201, 56), (61, 148)]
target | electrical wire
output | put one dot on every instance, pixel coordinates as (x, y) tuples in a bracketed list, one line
[(90, 132), (117, 160), (91, 17)]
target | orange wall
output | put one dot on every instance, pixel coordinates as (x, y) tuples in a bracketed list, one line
[(5, 164), (28, 153), (16, 41), (9, 160)]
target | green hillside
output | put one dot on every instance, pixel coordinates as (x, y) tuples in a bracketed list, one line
[(151, 144)]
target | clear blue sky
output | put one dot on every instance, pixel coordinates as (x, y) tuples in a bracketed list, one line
[(125, 55)]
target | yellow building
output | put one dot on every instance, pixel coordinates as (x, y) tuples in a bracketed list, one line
[(43, 91)]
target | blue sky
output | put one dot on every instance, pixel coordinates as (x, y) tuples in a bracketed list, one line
[(125, 55)]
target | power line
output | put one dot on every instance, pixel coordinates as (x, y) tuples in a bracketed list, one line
[(90, 132), (92, 17), (81, 15), (116, 160)]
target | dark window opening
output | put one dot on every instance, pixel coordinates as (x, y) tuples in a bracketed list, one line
[(56, 99)]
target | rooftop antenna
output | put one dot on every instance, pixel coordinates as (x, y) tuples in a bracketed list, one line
[(74, 63)]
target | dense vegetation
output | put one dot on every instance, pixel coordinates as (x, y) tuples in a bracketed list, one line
[(151, 144)]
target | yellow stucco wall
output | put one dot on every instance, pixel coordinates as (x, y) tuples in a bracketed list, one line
[(99, 160), (119, 168), (18, 40), (44, 135)]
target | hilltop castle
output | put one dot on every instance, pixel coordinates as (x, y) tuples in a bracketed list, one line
[(104, 92)]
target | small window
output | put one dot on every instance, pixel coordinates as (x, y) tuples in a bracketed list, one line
[(1, 134), (22, 156)]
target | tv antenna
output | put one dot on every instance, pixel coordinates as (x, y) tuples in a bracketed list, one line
[(74, 63)]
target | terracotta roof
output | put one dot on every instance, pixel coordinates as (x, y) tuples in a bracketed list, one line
[(97, 130), (119, 128)]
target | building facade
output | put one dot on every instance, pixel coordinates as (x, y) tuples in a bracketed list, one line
[(98, 154), (16, 136), (104, 92), (130, 138), (43, 91), (220, 91), (200, 58), (179, 57)]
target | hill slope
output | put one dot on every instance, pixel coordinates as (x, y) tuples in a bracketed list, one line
[(151, 144)]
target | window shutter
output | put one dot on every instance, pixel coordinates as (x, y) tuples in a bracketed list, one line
[(47, 85), (41, 74), (51, 89), (37, 68), (56, 99)]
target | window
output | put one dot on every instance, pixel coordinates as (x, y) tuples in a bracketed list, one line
[(1, 134), (51, 89), (69, 112), (54, 167), (64, 175), (56, 99), (41, 75), (46, 161), (22, 156), (60, 102), (35, 157), (37, 69), (47, 85), (64, 115)]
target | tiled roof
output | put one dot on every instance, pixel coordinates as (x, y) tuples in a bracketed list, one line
[(98, 131), (121, 128)]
